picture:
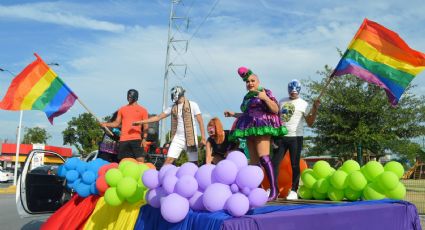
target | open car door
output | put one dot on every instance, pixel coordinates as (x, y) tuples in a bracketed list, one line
[(39, 189)]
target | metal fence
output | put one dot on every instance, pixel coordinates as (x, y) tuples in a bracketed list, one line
[(415, 193)]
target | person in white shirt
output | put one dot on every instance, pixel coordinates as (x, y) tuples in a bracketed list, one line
[(293, 114), (183, 128)]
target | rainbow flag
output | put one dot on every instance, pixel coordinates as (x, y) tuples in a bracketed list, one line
[(379, 56), (37, 87)]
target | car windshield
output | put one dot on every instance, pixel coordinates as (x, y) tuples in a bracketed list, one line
[(45, 169)]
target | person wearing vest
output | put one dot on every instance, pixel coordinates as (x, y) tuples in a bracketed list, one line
[(258, 122), (218, 143), (131, 142), (183, 128)]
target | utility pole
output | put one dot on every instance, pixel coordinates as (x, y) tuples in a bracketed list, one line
[(169, 64)]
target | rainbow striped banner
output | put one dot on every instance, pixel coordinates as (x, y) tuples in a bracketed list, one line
[(37, 87), (379, 56)]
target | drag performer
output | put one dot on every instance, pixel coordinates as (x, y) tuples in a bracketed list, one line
[(258, 122), (293, 113), (131, 142), (218, 144), (183, 128)]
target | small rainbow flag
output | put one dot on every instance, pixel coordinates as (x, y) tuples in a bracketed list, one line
[(37, 87), (379, 56)]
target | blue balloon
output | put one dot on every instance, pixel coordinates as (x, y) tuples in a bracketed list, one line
[(72, 163), (81, 167), (62, 171), (82, 189), (72, 175), (89, 177)]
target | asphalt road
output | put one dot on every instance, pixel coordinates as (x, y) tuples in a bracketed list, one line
[(9, 218)]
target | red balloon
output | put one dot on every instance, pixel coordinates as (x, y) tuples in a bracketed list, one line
[(284, 179), (101, 185)]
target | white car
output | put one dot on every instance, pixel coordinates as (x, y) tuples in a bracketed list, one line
[(6, 176)]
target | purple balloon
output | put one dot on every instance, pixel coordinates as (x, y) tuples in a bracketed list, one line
[(174, 208), (238, 158), (150, 178), (164, 169), (204, 176), (234, 188), (225, 172), (186, 186), (237, 204), (257, 197), (153, 197), (215, 196), (169, 183), (195, 202), (187, 168), (250, 176), (246, 190)]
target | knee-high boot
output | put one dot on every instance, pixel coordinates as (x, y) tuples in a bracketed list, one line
[(268, 167)]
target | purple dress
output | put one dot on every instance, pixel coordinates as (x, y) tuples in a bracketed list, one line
[(257, 120)]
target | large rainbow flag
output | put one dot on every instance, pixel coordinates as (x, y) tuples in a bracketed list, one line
[(37, 87), (379, 56)]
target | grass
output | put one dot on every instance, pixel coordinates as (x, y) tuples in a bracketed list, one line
[(415, 193)]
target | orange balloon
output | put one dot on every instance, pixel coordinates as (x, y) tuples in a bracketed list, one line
[(150, 165), (284, 179)]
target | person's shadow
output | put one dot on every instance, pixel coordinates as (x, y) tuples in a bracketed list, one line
[(32, 225)]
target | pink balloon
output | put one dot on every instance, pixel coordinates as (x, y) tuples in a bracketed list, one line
[(196, 202), (225, 172), (257, 197), (174, 208), (238, 158), (204, 175), (186, 186), (249, 176), (215, 196), (237, 204)]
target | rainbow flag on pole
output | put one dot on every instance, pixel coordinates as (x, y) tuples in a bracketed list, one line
[(379, 56), (37, 87)]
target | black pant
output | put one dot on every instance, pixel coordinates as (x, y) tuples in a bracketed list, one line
[(294, 145), (130, 149)]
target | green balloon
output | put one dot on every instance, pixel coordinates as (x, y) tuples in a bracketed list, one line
[(140, 183), (132, 170), (322, 169), (395, 167), (372, 170), (113, 176), (319, 196), (356, 181), (373, 192), (350, 166), (305, 193), (123, 165), (398, 193), (137, 196), (351, 194), (126, 187), (335, 194), (143, 168), (322, 185), (339, 179), (387, 180), (308, 178), (112, 198)]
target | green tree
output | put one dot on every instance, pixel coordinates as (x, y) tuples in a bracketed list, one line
[(35, 135), (354, 112), (84, 133)]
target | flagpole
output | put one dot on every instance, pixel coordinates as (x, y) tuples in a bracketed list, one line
[(18, 144), (98, 120)]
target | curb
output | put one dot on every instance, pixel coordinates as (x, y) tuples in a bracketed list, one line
[(9, 190)]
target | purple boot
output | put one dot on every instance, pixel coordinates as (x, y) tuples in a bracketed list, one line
[(268, 167)]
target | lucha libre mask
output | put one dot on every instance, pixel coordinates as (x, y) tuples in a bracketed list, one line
[(132, 95), (294, 86), (176, 93)]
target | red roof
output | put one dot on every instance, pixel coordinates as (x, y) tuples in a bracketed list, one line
[(9, 148)]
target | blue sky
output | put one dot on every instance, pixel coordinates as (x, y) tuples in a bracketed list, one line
[(106, 47)]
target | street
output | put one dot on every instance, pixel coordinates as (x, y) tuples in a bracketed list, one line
[(9, 218)]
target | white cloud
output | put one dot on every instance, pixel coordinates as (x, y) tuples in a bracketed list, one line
[(50, 13)]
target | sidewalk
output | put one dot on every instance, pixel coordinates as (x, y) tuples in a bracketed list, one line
[(9, 190)]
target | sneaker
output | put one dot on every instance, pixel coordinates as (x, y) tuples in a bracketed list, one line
[(292, 195)]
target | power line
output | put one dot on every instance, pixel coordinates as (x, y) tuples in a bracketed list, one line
[(209, 13)]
